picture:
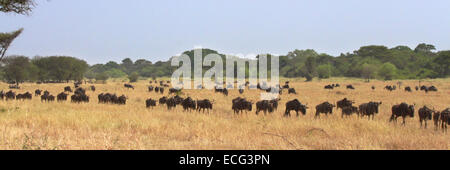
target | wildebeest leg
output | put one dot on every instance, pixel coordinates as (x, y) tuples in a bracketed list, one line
[(404, 121), (420, 122), (297, 113), (425, 124)]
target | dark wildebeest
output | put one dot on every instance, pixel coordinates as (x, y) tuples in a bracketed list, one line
[(67, 89), (265, 106), (150, 103), (128, 86), (171, 103), (373, 87), (408, 89), (37, 92), (390, 88), (10, 95), (296, 106), (162, 100), (292, 91), (46, 92), (204, 104), (350, 87), (402, 110), (161, 90), (369, 109), (432, 88), (92, 88), (436, 119), (417, 88), (174, 90), (151, 88), (349, 110), (80, 91), (241, 91), (326, 108), (344, 103), (78, 98), (122, 100), (188, 104), (445, 119), (51, 98), (77, 84), (240, 104), (425, 114), (61, 97), (2, 95), (286, 86), (329, 87), (24, 96)]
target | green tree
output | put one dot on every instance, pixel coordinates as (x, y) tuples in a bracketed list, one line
[(101, 77), (387, 71), (310, 68), (18, 68), (424, 48), (368, 71), (6, 39), (17, 6), (443, 63), (133, 77), (324, 71)]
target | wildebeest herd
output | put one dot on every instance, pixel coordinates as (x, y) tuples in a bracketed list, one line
[(240, 104)]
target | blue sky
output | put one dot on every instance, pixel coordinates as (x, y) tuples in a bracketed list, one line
[(110, 30)]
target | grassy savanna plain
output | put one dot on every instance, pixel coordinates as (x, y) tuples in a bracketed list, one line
[(35, 125)]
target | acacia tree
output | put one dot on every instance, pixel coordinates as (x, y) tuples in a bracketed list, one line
[(23, 7), (18, 69), (5, 41)]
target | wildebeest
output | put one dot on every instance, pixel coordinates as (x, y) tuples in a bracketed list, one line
[(240, 104), (224, 91), (151, 88), (174, 90), (286, 86), (436, 119), (204, 104), (47, 97), (122, 100), (150, 103), (80, 91), (156, 89), (369, 109), (241, 91), (24, 96), (2, 95), (432, 88), (37, 92), (162, 100), (10, 95), (292, 91), (77, 84), (264, 106), (408, 89), (445, 119), (92, 88), (326, 108), (128, 86), (296, 106), (161, 90), (329, 87), (171, 103), (61, 97), (78, 98), (425, 114), (67, 89), (188, 104), (373, 87), (344, 103), (389, 88), (350, 87), (402, 110), (349, 110)]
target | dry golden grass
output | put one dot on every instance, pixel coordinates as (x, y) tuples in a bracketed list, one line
[(36, 125)]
